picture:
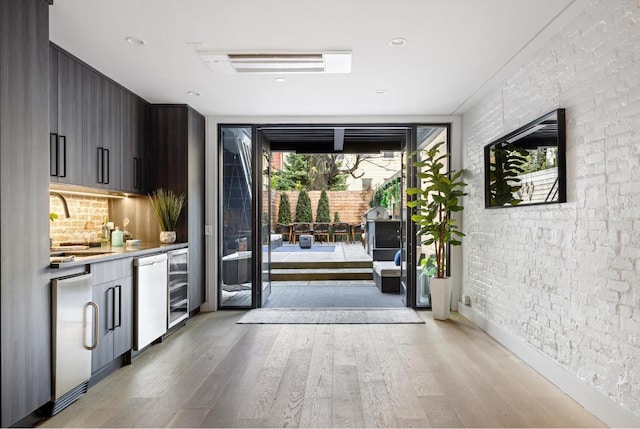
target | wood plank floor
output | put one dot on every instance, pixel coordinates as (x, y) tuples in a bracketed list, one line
[(215, 373)]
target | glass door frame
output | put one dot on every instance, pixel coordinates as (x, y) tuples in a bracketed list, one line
[(257, 148)]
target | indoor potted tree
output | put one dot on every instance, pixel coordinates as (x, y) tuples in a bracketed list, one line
[(433, 205), (167, 207)]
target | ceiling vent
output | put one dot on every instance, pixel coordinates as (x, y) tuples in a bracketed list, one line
[(278, 63)]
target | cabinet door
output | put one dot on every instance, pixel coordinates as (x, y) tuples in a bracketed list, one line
[(69, 112), (104, 296), (134, 158), (123, 316), (53, 114), (111, 137), (92, 148)]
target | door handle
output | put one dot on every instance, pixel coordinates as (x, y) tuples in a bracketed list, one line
[(96, 326), (118, 288), (62, 156), (53, 154)]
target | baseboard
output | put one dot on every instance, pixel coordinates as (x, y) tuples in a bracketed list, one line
[(591, 399)]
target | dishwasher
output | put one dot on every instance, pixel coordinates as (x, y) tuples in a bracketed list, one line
[(151, 299), (75, 334)]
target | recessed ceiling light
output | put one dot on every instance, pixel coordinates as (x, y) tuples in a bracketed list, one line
[(398, 41), (280, 79), (193, 93), (381, 91), (135, 41)]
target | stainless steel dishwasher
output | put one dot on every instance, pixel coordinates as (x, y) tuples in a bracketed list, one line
[(151, 299), (75, 334)]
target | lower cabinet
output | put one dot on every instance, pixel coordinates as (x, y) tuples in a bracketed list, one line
[(115, 313)]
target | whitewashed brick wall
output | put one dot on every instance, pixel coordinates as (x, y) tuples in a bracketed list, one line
[(566, 278)]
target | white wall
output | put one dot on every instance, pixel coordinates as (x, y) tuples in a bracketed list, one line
[(561, 283), (212, 177)]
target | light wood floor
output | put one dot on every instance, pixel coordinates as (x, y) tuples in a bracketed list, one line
[(214, 373)]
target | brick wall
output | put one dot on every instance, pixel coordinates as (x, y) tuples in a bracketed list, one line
[(566, 278), (83, 211), (350, 204)]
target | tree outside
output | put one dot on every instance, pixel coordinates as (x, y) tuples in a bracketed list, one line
[(284, 210), (303, 208), (323, 214)]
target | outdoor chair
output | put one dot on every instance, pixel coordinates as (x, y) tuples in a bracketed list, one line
[(284, 230), (356, 229), (341, 229), (300, 228), (321, 229)]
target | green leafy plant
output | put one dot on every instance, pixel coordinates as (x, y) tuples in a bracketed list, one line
[(504, 170), (284, 210), (428, 265), (336, 217), (167, 207), (53, 216), (303, 207), (323, 214), (434, 204)]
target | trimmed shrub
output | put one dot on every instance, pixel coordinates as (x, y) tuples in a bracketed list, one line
[(284, 210), (322, 213), (336, 217), (303, 208)]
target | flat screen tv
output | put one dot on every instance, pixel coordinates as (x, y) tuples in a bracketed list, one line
[(527, 166)]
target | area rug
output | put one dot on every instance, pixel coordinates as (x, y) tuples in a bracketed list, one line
[(330, 316), (313, 249)]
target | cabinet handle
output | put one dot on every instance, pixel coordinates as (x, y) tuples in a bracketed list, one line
[(100, 164), (111, 326), (96, 326), (53, 154), (135, 173), (62, 156), (119, 290), (140, 184), (106, 151)]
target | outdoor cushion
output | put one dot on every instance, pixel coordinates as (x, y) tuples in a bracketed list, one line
[(386, 269)]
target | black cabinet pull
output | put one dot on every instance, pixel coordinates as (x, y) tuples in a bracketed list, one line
[(112, 313), (118, 289), (135, 173), (53, 154), (106, 181), (140, 184), (62, 156), (100, 164)]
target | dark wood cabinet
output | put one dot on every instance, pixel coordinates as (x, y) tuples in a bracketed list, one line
[(135, 156), (101, 131), (178, 152), (65, 139), (25, 341)]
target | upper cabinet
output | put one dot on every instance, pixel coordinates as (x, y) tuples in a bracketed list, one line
[(135, 156), (101, 131), (98, 129), (65, 138)]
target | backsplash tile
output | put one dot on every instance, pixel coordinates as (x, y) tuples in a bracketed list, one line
[(86, 214)]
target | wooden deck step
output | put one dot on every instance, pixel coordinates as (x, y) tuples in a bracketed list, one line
[(303, 265), (322, 274)]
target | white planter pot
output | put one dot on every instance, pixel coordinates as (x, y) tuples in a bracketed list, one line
[(440, 298), (167, 237)]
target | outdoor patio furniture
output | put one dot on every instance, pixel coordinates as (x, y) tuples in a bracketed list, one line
[(342, 229), (298, 229), (306, 241), (321, 229), (284, 230), (387, 276), (355, 230)]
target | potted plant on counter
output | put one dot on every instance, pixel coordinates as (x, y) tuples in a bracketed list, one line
[(433, 206), (167, 207)]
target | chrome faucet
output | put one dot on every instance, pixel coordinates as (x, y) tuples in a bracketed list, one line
[(64, 202)]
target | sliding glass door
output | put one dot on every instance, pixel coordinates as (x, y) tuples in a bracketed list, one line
[(236, 217)]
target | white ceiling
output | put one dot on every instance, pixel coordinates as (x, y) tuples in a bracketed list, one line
[(454, 48)]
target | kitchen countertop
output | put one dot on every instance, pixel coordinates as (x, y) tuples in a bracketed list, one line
[(116, 253)]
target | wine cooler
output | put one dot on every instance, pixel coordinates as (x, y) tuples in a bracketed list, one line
[(178, 286)]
